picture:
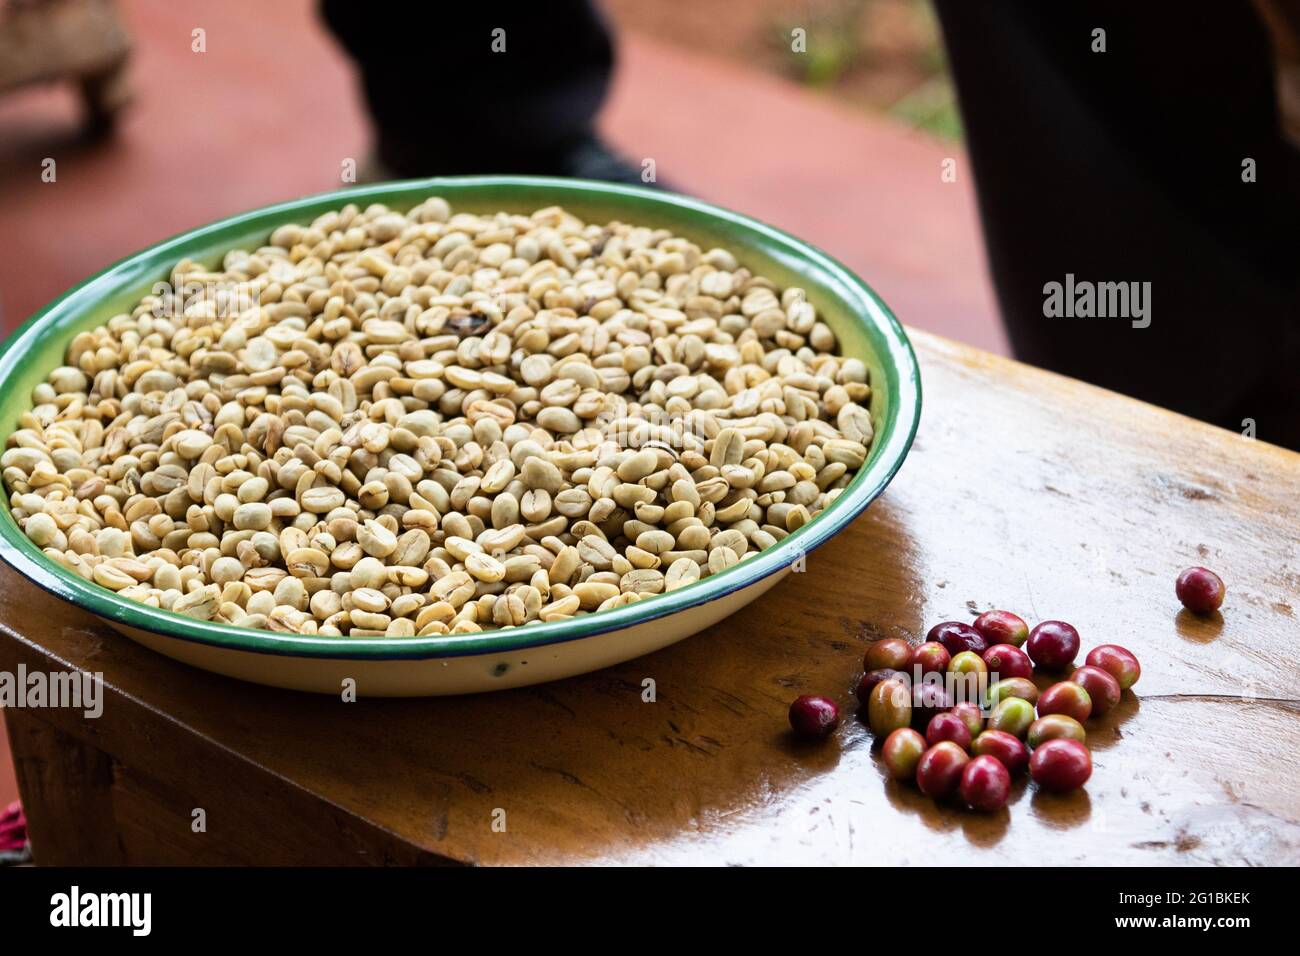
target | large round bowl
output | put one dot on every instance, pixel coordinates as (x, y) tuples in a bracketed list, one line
[(466, 663)]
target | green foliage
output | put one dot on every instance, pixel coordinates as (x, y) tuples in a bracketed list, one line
[(836, 60)]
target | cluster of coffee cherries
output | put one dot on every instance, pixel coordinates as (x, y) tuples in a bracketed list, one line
[(972, 748)]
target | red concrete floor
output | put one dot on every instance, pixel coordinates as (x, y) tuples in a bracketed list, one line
[(270, 111)]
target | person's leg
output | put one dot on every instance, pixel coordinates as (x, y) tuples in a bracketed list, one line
[(1126, 165), (476, 88)]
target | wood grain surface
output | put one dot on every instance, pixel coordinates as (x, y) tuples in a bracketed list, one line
[(1025, 490)]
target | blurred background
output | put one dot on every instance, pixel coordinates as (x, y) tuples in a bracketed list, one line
[(840, 145), (883, 56)]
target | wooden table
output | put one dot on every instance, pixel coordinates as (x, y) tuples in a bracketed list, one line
[(1025, 490)]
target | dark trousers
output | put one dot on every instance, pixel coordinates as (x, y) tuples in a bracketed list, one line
[(444, 101), (1127, 165)]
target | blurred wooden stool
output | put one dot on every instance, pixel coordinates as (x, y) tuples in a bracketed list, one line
[(79, 40)]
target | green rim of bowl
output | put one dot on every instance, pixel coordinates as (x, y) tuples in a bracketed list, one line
[(127, 281)]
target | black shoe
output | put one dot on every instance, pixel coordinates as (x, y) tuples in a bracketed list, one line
[(592, 159), (587, 158)]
